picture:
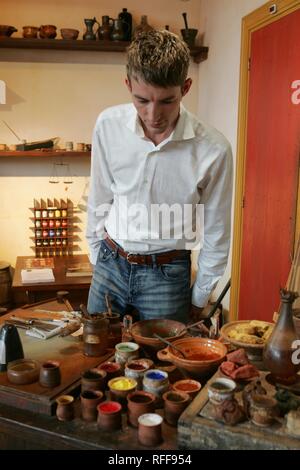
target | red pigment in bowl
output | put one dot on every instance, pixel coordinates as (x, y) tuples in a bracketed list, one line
[(109, 367), (187, 387), (136, 366), (109, 407), (202, 356)]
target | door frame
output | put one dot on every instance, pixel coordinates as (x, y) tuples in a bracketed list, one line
[(250, 23)]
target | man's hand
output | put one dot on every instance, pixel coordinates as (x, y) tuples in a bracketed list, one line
[(195, 313)]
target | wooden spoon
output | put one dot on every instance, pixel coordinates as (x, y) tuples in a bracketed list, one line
[(170, 344), (108, 305)]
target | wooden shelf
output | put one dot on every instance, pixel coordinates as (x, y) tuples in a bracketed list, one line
[(198, 53), (43, 153)]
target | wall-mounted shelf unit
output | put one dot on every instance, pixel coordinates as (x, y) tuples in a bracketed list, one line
[(198, 53), (40, 153)]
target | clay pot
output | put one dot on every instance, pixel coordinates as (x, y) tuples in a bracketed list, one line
[(174, 404), (7, 31), (149, 431), (189, 386), (126, 352), (139, 403), (90, 399), (203, 355), (50, 374), (109, 416), (156, 381), (120, 387), (93, 379), (143, 334), (95, 335), (112, 369), (65, 408), (221, 389), (68, 33), (48, 31), (30, 31), (114, 329), (136, 369), (263, 410), (23, 371)]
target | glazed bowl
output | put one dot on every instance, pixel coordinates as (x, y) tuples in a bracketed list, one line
[(7, 31), (68, 33), (203, 355), (23, 371), (254, 351), (143, 333), (30, 31)]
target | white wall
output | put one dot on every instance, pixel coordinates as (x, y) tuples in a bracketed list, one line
[(60, 93), (219, 75)]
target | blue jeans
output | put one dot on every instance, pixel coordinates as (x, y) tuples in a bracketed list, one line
[(154, 291)]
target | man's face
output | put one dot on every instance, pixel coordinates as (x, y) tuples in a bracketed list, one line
[(157, 107)]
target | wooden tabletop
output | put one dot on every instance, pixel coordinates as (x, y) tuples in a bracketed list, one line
[(61, 281)]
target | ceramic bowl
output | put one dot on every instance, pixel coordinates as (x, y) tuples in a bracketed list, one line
[(143, 333), (68, 33), (23, 371), (7, 31), (203, 355), (189, 386)]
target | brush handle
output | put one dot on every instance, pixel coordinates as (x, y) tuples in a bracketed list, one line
[(185, 20)]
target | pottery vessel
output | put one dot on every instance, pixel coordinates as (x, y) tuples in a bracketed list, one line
[(125, 352), (120, 387), (139, 402), (189, 36), (156, 381), (112, 369), (23, 371), (48, 31), (114, 329), (7, 31), (263, 410), (150, 429), (203, 355), (109, 416), (174, 405), (90, 399), (68, 33), (221, 389), (95, 335), (189, 386), (30, 32), (65, 408), (93, 379), (50, 374), (136, 369)]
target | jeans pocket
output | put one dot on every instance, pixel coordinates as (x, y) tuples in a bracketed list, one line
[(105, 252), (179, 270)]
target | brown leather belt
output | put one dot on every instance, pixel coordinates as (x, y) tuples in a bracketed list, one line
[(163, 258)]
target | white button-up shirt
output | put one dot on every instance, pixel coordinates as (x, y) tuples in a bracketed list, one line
[(192, 166)]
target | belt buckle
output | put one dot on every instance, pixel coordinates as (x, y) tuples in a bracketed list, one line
[(128, 260)]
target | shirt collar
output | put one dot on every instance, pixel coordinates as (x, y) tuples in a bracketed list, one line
[(184, 129)]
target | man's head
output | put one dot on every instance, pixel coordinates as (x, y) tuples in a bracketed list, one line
[(157, 80), (159, 58)]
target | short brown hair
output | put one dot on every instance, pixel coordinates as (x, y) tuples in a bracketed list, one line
[(159, 58)]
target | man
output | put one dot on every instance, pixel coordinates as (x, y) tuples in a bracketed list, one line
[(146, 157)]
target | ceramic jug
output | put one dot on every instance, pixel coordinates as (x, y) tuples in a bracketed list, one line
[(105, 30), (279, 349), (89, 35), (120, 30)]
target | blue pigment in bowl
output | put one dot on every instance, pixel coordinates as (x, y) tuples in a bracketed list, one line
[(155, 375)]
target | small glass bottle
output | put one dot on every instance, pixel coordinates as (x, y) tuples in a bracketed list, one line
[(126, 332), (143, 27)]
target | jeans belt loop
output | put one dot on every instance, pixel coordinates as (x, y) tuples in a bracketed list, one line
[(154, 264)]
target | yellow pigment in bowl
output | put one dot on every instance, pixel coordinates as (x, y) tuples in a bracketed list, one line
[(123, 384)]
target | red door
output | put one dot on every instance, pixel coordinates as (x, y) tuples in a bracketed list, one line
[(272, 160)]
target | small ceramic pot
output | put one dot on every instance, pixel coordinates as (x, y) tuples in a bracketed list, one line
[(50, 374), (157, 382), (109, 416), (221, 389), (114, 329), (139, 403), (263, 410), (149, 431), (47, 31), (68, 33), (174, 404), (125, 352), (112, 369), (65, 408), (120, 387), (90, 399), (30, 31), (136, 369), (93, 379), (189, 386)]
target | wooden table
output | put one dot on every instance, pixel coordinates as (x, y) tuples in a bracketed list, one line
[(77, 286), (198, 430)]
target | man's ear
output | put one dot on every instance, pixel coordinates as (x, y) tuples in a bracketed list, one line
[(186, 87), (128, 84)]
